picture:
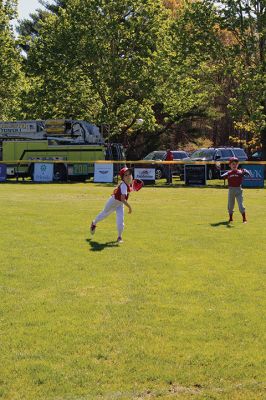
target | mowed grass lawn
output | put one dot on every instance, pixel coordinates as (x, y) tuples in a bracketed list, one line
[(175, 312)]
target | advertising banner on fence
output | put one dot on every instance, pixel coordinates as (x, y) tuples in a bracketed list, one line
[(147, 175), (2, 172), (103, 173), (257, 176), (43, 172), (78, 170), (195, 175)]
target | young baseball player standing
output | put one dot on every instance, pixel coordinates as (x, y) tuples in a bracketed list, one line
[(235, 178), (116, 203)]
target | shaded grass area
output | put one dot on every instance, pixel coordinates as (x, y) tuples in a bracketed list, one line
[(177, 311)]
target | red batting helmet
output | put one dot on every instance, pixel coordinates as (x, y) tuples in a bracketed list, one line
[(123, 171)]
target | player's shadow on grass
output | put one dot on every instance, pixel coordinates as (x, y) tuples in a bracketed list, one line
[(222, 223), (96, 246)]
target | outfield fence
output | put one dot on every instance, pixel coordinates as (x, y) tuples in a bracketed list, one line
[(130, 162), (191, 172)]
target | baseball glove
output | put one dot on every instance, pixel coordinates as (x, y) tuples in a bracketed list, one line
[(137, 184)]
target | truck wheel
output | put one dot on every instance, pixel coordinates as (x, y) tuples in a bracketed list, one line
[(210, 174), (60, 172), (158, 174)]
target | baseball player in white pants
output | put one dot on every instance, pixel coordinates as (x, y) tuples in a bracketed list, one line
[(111, 206), (235, 178), (116, 203)]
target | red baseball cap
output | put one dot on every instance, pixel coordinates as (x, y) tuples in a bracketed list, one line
[(123, 171), (233, 159)]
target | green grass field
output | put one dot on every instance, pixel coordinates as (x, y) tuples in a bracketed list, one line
[(175, 312)]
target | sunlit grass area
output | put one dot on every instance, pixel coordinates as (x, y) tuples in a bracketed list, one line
[(176, 311)]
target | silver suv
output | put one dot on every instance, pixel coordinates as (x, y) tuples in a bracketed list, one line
[(160, 156), (217, 154)]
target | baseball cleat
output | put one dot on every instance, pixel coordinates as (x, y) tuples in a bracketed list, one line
[(119, 239), (93, 228)]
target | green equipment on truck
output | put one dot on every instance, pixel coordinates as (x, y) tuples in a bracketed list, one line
[(72, 145)]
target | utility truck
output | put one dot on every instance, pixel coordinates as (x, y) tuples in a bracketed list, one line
[(74, 145)]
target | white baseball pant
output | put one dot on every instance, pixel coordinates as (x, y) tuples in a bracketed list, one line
[(111, 206), (235, 193)]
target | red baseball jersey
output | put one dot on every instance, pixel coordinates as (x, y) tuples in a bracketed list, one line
[(122, 189), (235, 177)]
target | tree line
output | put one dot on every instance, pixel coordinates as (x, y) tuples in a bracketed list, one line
[(193, 72)]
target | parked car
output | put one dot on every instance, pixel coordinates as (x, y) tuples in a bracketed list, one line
[(217, 154), (257, 156), (160, 156)]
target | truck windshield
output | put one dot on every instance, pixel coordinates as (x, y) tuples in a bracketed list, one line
[(179, 155), (226, 153), (240, 153), (206, 154), (155, 155)]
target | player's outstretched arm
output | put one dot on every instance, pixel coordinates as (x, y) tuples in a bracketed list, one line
[(224, 175), (124, 201), (246, 172)]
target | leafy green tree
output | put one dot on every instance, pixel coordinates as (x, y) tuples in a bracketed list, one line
[(190, 61), (164, 62), (28, 28), (246, 21), (113, 46), (11, 77)]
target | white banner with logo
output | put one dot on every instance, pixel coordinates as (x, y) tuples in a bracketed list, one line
[(43, 172), (145, 174), (103, 173)]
